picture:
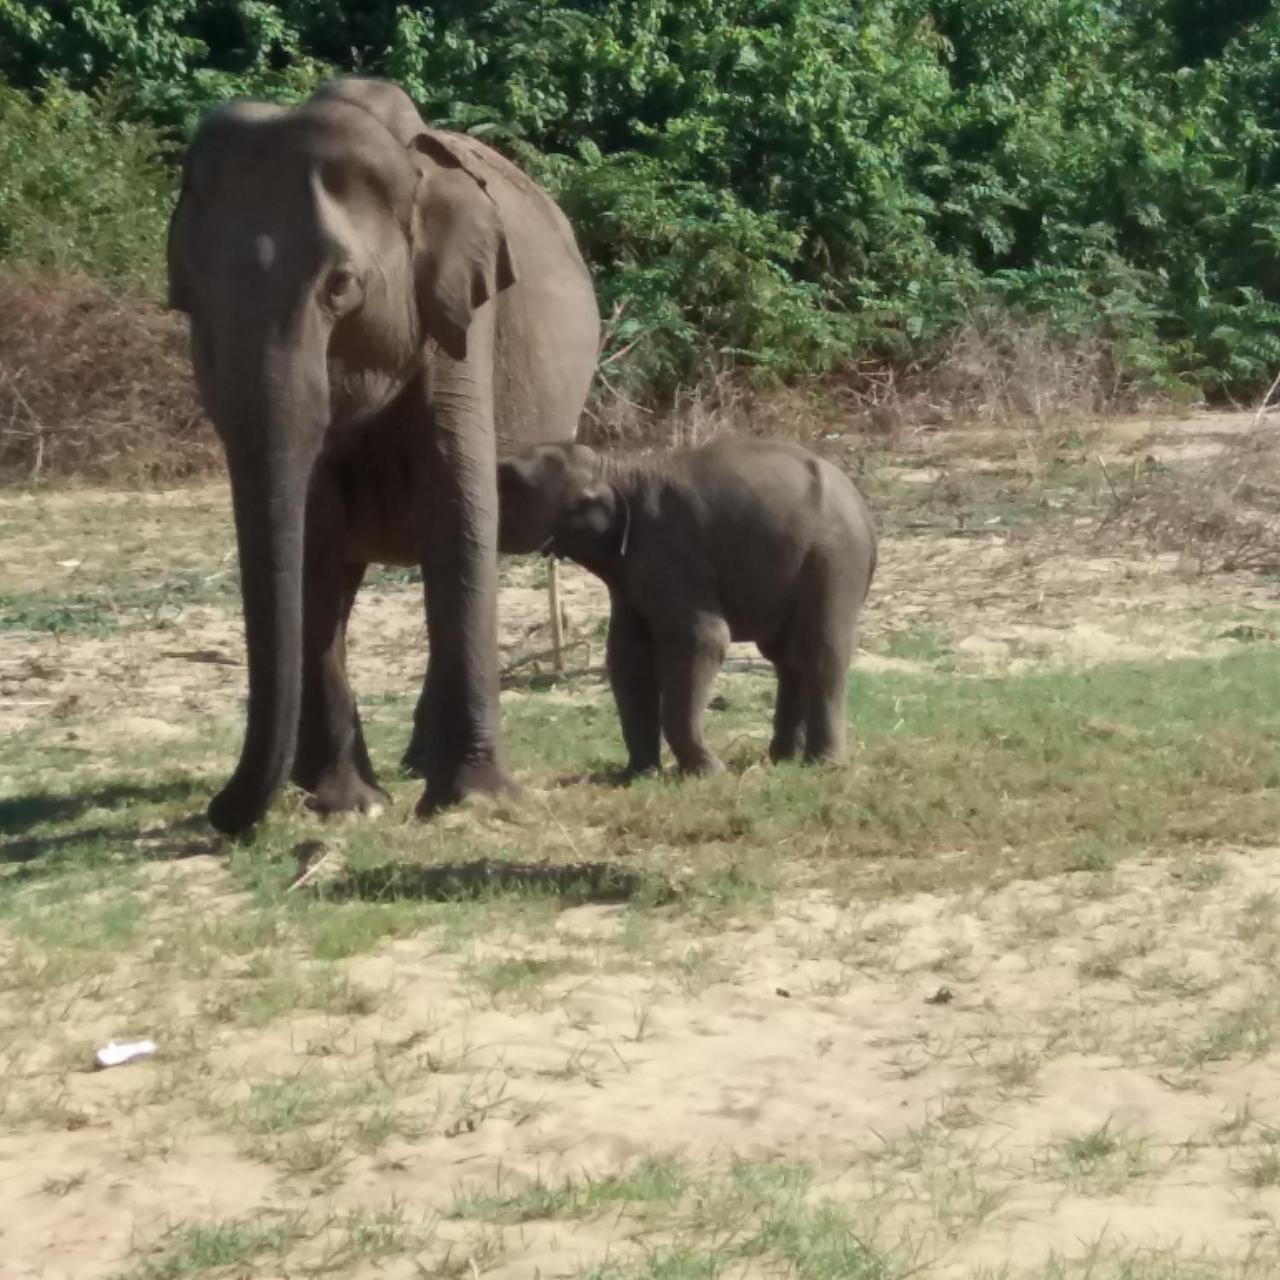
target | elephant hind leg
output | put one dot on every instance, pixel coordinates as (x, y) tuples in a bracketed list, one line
[(788, 715), (332, 762), (824, 705), (818, 648), (788, 706), (413, 763)]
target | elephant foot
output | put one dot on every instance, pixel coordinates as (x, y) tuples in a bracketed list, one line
[(344, 791), (413, 764), (486, 776), (703, 766), (634, 772), (238, 807)]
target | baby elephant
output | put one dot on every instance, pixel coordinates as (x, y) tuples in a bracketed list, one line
[(741, 540)]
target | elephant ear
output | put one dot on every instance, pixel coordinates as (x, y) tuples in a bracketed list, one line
[(179, 297), (461, 254)]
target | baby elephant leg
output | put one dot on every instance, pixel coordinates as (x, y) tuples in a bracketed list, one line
[(788, 707), (819, 648), (633, 676), (788, 715), (824, 704), (688, 660)]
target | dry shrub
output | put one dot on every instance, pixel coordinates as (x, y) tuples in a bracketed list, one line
[(1000, 367), (1221, 515), (723, 405), (96, 385), (999, 370)]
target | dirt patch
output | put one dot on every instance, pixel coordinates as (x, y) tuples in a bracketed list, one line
[(995, 1079), (984, 604), (1084, 1062)]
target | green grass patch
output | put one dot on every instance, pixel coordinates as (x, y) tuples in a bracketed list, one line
[(337, 1245), (928, 645), (770, 1215), (1027, 775), (1249, 1029), (218, 1248), (653, 1185), (1263, 1171), (1102, 1161), (951, 781), (312, 1119), (100, 610), (516, 979)]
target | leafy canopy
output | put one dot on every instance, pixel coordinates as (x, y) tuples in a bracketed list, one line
[(784, 184)]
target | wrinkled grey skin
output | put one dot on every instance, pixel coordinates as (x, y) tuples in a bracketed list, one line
[(378, 311), (738, 540)]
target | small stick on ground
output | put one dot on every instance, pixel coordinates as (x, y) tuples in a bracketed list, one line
[(1265, 407), (557, 631), (1106, 475), (530, 659)]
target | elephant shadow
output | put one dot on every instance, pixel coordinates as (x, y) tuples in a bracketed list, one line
[(575, 883), (22, 815), (603, 775)]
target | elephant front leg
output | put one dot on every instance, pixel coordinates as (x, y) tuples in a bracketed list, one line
[(456, 732), (687, 665), (633, 676), (331, 762)]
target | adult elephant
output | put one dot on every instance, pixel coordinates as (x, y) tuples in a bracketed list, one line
[(378, 310)]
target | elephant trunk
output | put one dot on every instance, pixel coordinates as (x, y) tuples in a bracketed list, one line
[(274, 437)]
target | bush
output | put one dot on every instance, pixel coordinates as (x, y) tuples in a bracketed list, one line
[(81, 190), (95, 383), (784, 185)]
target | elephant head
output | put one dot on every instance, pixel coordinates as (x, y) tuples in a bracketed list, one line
[(318, 252), (560, 499)]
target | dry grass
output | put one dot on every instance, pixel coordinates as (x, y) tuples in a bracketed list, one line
[(1002, 368), (897, 1021), (1221, 516), (723, 405), (999, 371), (95, 386)]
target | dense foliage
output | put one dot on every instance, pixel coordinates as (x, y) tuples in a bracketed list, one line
[(784, 184)]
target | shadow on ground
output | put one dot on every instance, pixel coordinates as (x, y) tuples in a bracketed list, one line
[(576, 882), (41, 808), (23, 815)]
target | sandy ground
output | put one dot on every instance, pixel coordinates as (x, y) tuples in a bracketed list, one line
[(996, 601), (935, 1055)]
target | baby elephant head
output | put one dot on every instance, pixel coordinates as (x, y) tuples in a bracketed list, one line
[(554, 498)]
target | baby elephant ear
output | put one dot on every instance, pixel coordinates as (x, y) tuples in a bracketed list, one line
[(461, 254)]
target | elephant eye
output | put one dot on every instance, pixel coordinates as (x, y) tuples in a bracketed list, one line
[(342, 288)]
